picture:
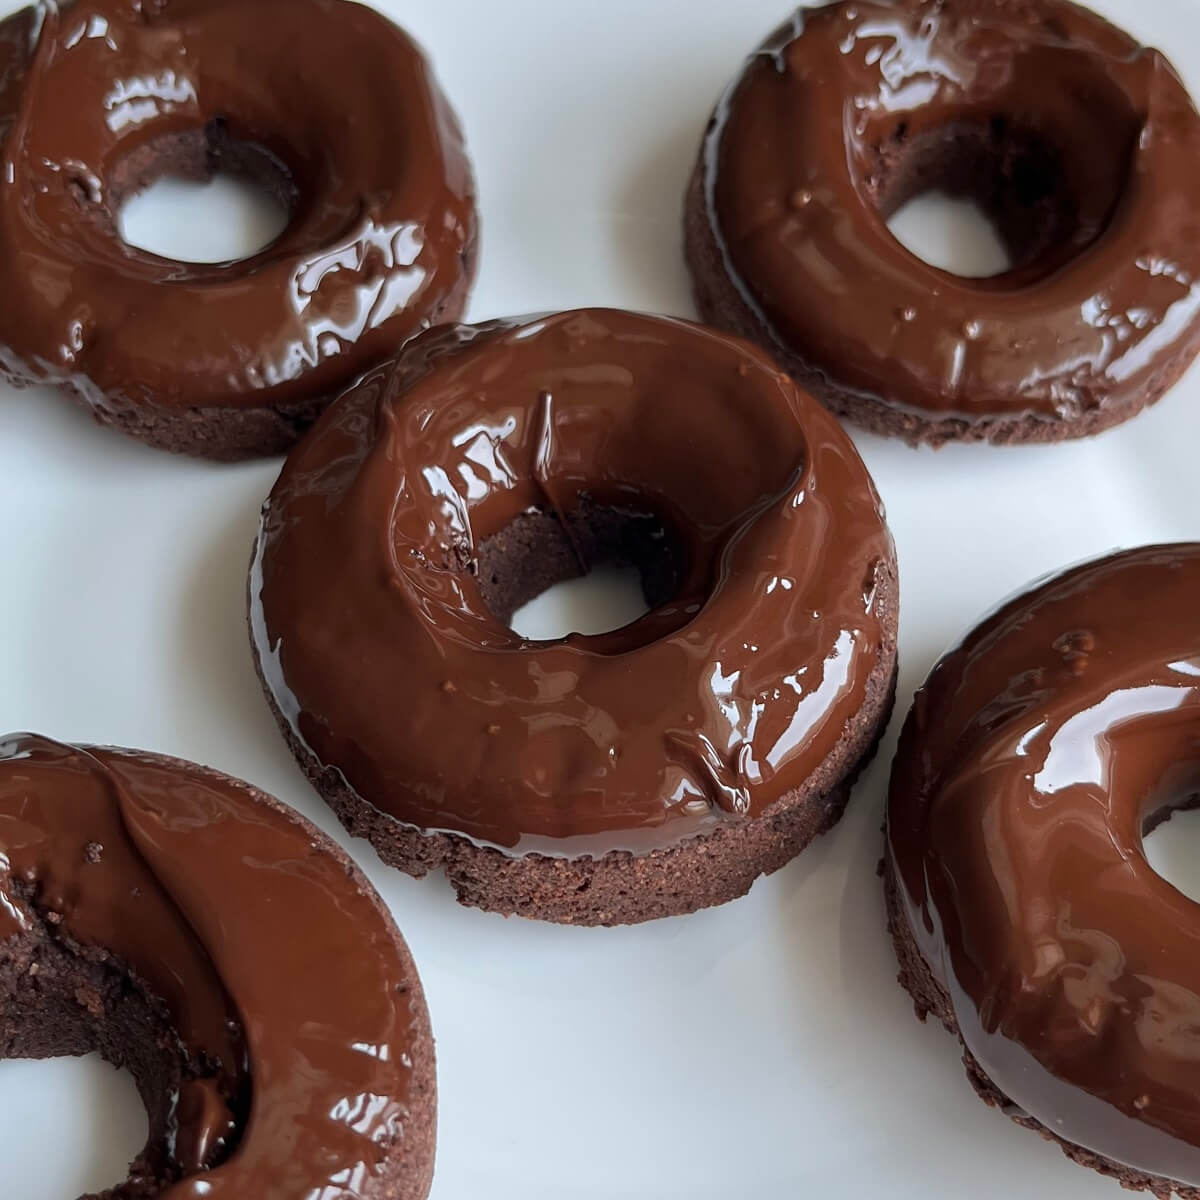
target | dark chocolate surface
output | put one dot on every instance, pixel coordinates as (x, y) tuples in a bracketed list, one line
[(326, 103), (377, 643), (1075, 139), (276, 965), (1035, 758)]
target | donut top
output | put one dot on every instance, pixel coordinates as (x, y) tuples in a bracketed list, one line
[(1078, 142), (276, 965), (1036, 756), (326, 103), (377, 643)]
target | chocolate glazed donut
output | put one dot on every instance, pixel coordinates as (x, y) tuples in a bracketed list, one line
[(232, 958), (1078, 143), (323, 102), (1025, 913), (595, 780)]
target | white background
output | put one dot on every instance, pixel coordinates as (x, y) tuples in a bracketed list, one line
[(760, 1050)]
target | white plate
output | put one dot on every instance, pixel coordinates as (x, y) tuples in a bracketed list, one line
[(760, 1050)]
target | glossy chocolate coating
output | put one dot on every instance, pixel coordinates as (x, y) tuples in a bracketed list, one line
[(1035, 757), (326, 102), (276, 964), (849, 111), (379, 649)]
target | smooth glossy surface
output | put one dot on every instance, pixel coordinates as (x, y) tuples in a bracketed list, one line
[(1034, 756), (708, 709), (278, 971), (786, 1060), (805, 163), (344, 122)]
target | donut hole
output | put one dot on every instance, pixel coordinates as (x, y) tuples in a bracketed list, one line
[(82, 1103), (606, 599), (201, 196), (551, 454), (609, 567), (1010, 202), (954, 235), (58, 1003), (985, 197), (1171, 838)]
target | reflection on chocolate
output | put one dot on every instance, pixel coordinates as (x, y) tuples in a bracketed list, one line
[(762, 546), (324, 102), (1035, 757), (294, 1012), (1077, 141)]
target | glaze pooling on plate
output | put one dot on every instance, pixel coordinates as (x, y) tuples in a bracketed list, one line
[(1078, 142), (275, 962), (1036, 757), (325, 103), (377, 644)]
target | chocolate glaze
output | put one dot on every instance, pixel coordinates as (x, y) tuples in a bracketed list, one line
[(326, 102), (276, 965), (1036, 756), (1078, 141), (376, 642)]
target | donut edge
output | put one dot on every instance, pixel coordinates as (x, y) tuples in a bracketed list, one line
[(407, 1172), (722, 303), (231, 433), (930, 999), (621, 888)]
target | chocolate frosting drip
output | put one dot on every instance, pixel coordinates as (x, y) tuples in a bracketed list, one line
[(276, 966), (377, 644), (327, 103), (1036, 756), (1078, 141)]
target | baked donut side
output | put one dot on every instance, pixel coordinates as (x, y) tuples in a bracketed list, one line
[(1065, 131), (930, 999), (721, 303), (145, 910), (325, 104), (620, 888), (642, 773), (1024, 912)]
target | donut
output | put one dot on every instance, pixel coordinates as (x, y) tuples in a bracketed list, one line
[(325, 104), (228, 955), (1025, 913), (609, 779), (1075, 140)]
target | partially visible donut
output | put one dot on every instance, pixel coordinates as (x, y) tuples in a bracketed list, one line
[(1077, 141), (637, 774), (324, 102), (1025, 913), (232, 958)]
